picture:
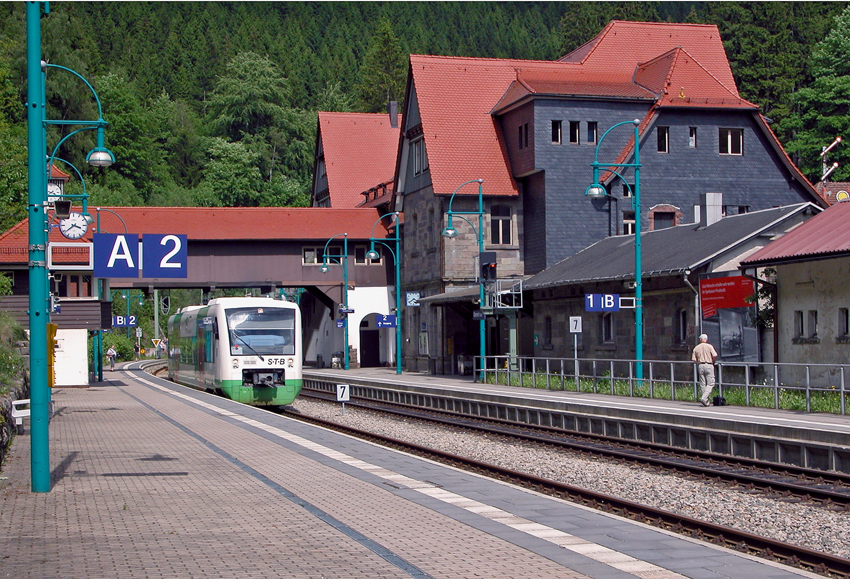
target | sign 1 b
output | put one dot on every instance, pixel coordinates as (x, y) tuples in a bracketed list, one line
[(602, 302)]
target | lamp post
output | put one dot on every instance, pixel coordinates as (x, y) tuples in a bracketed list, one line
[(37, 206), (343, 260), (451, 232), (372, 254), (596, 190)]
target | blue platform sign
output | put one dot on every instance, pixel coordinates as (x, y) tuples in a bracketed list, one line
[(164, 256), (116, 255), (341, 323), (383, 321), (602, 302), (124, 322)]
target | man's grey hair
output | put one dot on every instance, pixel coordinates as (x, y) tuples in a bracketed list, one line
[(703, 337)]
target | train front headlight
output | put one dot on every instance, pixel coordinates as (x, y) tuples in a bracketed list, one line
[(235, 363)]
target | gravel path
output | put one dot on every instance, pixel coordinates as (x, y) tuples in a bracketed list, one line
[(809, 526)]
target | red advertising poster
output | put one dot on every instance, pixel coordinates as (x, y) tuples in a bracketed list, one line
[(724, 292)]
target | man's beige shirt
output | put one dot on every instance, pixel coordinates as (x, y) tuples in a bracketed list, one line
[(704, 353)]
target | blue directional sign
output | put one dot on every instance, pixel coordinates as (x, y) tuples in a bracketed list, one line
[(116, 255), (602, 302), (341, 323), (383, 321), (124, 322), (164, 256)]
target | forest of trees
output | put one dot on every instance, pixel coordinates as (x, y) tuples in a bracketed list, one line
[(214, 103)]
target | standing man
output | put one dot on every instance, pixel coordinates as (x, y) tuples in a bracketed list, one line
[(704, 356)]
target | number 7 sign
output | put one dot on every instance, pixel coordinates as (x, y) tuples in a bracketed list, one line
[(164, 256)]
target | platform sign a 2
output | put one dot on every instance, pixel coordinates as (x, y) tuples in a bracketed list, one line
[(164, 256), (116, 255)]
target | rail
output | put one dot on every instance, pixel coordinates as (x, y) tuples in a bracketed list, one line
[(800, 387)]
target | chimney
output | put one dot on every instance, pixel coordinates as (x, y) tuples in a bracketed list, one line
[(710, 208), (392, 110)]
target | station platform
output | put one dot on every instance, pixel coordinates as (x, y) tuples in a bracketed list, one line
[(813, 440), (152, 479)]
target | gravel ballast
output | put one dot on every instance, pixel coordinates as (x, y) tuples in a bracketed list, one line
[(810, 526)]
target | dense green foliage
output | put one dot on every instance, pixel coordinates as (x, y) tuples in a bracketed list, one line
[(214, 103)]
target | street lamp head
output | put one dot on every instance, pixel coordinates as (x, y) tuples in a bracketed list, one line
[(372, 254), (100, 157), (449, 232), (324, 268), (596, 191)]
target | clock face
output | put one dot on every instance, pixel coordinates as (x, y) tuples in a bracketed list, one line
[(54, 190), (75, 226)]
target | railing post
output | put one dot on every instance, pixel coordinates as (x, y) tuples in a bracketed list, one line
[(651, 383), (595, 377), (776, 386), (672, 382), (534, 372), (611, 373), (841, 395), (548, 384), (808, 389)]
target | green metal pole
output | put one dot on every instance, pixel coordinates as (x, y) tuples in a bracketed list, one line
[(482, 323), (638, 267), (345, 292), (38, 290)]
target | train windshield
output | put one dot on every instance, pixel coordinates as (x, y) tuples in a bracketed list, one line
[(261, 331)]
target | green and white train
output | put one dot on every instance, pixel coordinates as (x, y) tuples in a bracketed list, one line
[(248, 349)]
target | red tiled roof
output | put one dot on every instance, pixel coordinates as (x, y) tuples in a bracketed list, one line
[(457, 96), (360, 151), (679, 80), (215, 224), (824, 235), (620, 45), (57, 173), (834, 191)]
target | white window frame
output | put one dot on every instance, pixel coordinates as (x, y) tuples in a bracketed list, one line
[(692, 137), (557, 132), (728, 139), (608, 328), (592, 130), (500, 222), (575, 132), (663, 134)]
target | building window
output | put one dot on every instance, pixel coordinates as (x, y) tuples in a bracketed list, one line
[(547, 331), (799, 328), (843, 323), (522, 135), (575, 132), (731, 141), (556, 132), (313, 255), (607, 327), (663, 219), (692, 137), (591, 132), (322, 172), (628, 188), (360, 255), (500, 225), (420, 159), (813, 323), (663, 139), (628, 222), (682, 326)]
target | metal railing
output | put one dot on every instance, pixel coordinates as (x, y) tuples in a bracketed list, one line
[(801, 387)]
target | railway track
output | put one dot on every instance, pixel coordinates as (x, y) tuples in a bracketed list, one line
[(827, 488), (769, 480)]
